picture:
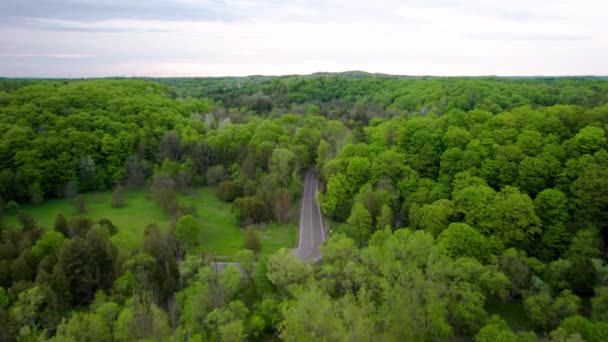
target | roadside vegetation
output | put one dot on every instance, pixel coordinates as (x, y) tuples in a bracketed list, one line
[(459, 208)]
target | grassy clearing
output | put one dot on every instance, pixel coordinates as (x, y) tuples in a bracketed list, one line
[(220, 233), (140, 210), (512, 312)]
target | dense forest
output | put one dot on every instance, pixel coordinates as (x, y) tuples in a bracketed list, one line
[(451, 202)]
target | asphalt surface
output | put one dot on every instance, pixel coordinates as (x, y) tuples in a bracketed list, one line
[(312, 232)]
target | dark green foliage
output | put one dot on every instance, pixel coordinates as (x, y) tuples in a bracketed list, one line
[(167, 200), (252, 241), (79, 226), (80, 205), (26, 221), (61, 225), (216, 174), (229, 191), (11, 207), (108, 226), (251, 210)]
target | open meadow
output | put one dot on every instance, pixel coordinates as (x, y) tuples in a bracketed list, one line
[(220, 233)]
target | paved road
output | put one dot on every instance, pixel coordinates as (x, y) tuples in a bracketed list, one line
[(312, 232)]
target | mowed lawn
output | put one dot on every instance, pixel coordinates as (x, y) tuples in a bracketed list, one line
[(220, 233)]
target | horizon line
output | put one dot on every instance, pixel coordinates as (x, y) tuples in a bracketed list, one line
[(364, 73)]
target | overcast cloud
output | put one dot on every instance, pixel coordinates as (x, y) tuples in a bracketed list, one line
[(86, 38)]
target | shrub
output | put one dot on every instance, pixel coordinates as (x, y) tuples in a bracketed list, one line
[(27, 221), (118, 197), (216, 174), (109, 226), (167, 200), (229, 191), (80, 205), (250, 210), (11, 207), (79, 226), (252, 241), (61, 225)]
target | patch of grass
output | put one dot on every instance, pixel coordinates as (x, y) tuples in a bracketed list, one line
[(220, 233), (140, 210), (276, 236), (512, 312)]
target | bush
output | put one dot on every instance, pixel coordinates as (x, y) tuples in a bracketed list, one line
[(61, 225), (36, 195), (216, 174), (252, 241), (11, 207), (188, 210), (27, 221), (79, 226), (250, 210), (118, 197), (80, 205), (229, 191), (167, 200), (108, 226)]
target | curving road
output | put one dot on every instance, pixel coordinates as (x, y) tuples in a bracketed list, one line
[(312, 232)]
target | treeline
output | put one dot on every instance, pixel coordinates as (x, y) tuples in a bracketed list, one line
[(361, 97)]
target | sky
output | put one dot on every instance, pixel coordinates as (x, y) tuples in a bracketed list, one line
[(157, 38)]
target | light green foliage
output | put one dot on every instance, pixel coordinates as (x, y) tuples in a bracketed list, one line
[(285, 269), (140, 321), (475, 202), (88, 327), (26, 313), (388, 165), (195, 303), (514, 219), (599, 303), (530, 142), (589, 140), (338, 198), (187, 232), (537, 173), (282, 164), (459, 240), (591, 331), (310, 317), (361, 221), (49, 244), (496, 330), (230, 281), (434, 217), (456, 137), (229, 321), (357, 171), (546, 312), (385, 219)]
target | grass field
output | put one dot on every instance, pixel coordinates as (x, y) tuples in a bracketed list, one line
[(512, 312), (219, 232)]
